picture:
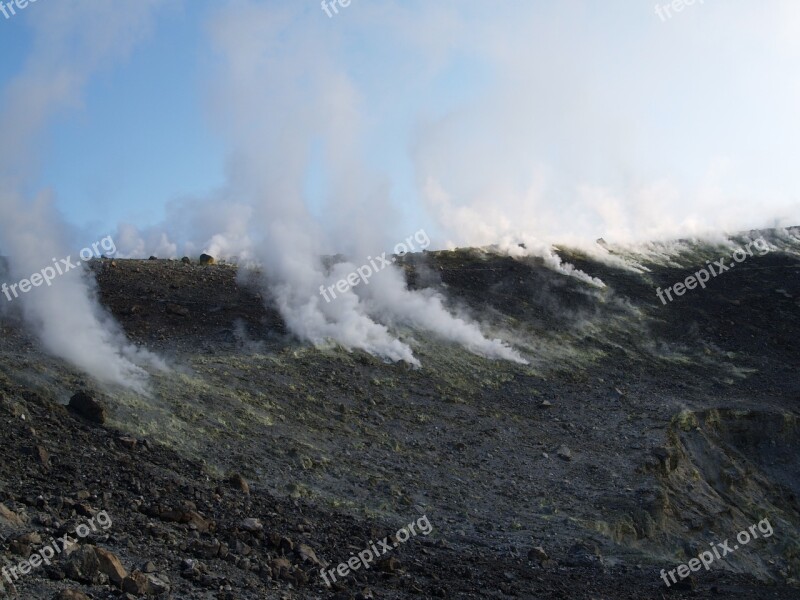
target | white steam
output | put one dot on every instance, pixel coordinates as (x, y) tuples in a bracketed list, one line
[(603, 121), (265, 51), (73, 38), (513, 125)]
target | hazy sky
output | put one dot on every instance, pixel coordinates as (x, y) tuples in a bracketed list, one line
[(473, 119)]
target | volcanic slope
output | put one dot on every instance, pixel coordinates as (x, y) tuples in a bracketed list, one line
[(638, 434)]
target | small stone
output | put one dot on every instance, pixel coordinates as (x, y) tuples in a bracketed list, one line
[(204, 549), (239, 547), (130, 310), (111, 566), (307, 554), (191, 517), (537, 554), (280, 567), (207, 259), (41, 454), (9, 516), (546, 404), (149, 567), (83, 565), (136, 583), (177, 310), (23, 545), (549, 564), (252, 525), (238, 482), (127, 442), (186, 260), (564, 453), (157, 584), (187, 564), (584, 554), (71, 595), (31, 538), (390, 565)]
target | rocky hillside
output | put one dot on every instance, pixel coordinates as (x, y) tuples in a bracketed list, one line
[(640, 434)]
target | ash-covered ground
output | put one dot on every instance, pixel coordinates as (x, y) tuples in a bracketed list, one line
[(640, 435)]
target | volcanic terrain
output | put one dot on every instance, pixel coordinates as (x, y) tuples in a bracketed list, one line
[(639, 434)]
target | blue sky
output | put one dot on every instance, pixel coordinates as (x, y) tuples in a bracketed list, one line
[(482, 120), (141, 136)]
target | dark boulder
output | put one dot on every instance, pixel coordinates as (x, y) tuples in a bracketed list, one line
[(83, 405)]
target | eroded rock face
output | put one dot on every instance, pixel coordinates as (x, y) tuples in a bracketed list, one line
[(725, 470)]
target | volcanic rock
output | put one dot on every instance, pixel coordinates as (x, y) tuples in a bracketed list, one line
[(84, 405)]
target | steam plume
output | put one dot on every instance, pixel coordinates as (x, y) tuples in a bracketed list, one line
[(264, 49), (72, 39)]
